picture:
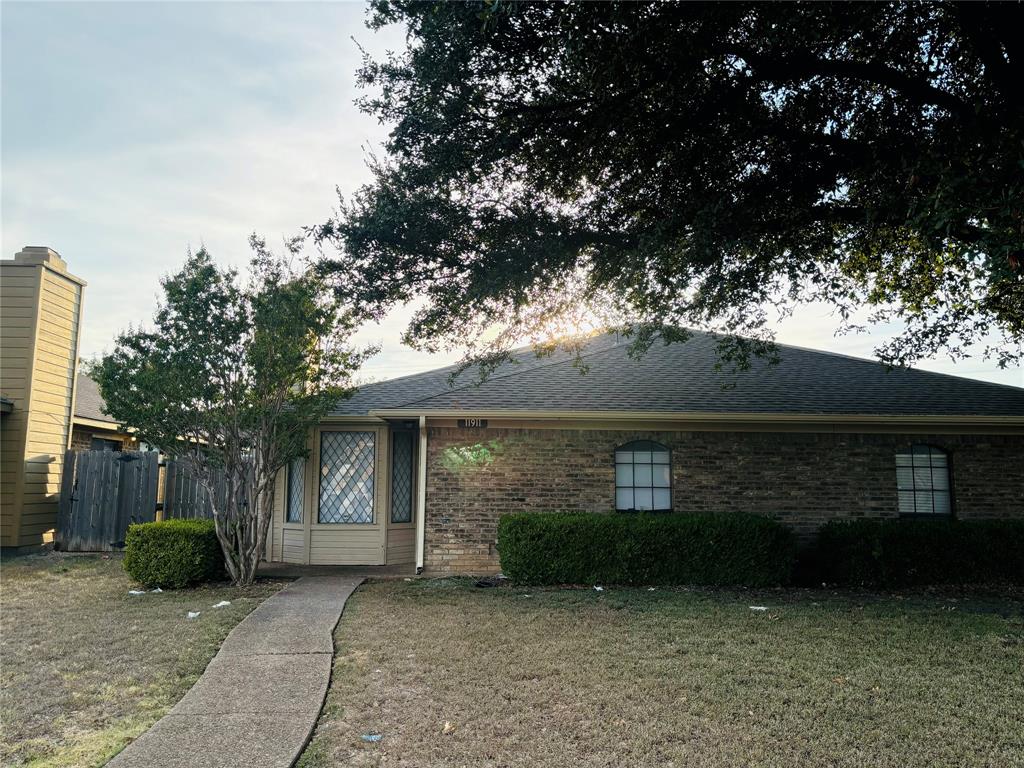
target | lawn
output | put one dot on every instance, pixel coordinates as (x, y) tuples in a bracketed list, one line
[(452, 675), (86, 667)]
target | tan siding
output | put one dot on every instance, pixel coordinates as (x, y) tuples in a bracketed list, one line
[(19, 296), (401, 544), (294, 548), (346, 544), (40, 347)]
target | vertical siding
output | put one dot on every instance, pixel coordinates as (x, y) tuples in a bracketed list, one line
[(40, 310)]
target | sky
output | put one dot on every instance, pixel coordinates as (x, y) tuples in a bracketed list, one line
[(133, 131)]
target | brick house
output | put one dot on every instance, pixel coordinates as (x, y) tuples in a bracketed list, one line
[(91, 427), (417, 471)]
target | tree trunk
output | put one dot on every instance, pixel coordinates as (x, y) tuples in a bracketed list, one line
[(244, 550)]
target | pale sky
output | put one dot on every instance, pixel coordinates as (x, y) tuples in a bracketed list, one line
[(132, 131)]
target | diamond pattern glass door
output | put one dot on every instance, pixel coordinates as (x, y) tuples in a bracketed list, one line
[(401, 477), (346, 477)]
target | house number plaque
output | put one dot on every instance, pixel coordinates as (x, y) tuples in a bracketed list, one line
[(473, 423)]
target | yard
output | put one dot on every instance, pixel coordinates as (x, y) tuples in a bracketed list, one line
[(451, 675), (85, 667)]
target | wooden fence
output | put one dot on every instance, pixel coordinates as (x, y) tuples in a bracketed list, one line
[(103, 492), (184, 495)]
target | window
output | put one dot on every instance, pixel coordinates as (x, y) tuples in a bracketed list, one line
[(296, 475), (401, 476), (922, 481), (643, 476), (346, 477), (102, 444)]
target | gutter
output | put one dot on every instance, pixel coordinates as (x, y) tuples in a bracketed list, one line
[(698, 417), (421, 494)]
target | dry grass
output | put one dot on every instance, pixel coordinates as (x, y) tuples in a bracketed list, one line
[(672, 678), (85, 667)]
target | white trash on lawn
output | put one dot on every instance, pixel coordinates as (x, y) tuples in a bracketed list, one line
[(759, 607), (156, 590), (193, 614), (136, 591), (222, 604), (598, 588)]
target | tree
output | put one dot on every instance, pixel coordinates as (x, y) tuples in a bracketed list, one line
[(695, 164), (230, 380)]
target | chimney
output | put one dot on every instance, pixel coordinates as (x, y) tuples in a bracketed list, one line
[(40, 254)]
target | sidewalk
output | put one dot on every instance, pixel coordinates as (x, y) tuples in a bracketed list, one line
[(258, 700)]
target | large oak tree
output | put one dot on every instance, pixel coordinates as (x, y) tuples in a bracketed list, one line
[(694, 164)]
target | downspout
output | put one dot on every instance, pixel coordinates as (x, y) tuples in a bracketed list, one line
[(421, 494)]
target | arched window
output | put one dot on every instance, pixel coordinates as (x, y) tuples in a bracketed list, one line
[(922, 481), (643, 476)]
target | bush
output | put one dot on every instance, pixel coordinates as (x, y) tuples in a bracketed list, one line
[(894, 553), (173, 553), (645, 548)]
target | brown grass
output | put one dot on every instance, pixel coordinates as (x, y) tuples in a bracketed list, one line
[(85, 667), (672, 678)]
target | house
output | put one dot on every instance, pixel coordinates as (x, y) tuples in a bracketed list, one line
[(92, 427), (40, 317), (416, 472)]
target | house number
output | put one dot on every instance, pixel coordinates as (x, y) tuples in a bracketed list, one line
[(473, 423)]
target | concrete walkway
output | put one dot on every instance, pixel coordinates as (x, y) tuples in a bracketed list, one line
[(258, 700)]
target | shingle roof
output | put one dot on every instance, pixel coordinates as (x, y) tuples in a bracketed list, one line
[(682, 378), (88, 401)]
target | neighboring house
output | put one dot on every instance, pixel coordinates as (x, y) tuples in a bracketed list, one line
[(414, 471), (40, 316), (93, 428)]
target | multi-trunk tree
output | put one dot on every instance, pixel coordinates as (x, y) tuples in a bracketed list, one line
[(230, 378)]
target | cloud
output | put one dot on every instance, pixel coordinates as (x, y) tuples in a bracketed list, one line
[(133, 131)]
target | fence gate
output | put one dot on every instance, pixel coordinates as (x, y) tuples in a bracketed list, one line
[(102, 493)]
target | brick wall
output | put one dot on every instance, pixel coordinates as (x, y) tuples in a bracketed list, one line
[(803, 479), (81, 439)]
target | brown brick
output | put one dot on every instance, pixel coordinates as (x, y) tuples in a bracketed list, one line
[(802, 479)]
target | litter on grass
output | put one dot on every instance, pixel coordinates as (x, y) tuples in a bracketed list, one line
[(598, 589), (156, 590), (372, 738), (759, 607), (449, 727), (650, 589), (136, 591), (222, 604), (192, 614)]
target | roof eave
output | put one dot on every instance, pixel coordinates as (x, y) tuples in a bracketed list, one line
[(702, 416)]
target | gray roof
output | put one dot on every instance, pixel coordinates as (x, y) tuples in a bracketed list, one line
[(88, 401), (682, 378)]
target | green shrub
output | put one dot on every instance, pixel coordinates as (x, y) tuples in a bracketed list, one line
[(173, 553), (895, 552), (646, 548)]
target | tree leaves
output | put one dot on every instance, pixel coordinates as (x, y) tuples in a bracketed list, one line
[(693, 164)]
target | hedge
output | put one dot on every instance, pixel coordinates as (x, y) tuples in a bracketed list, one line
[(894, 552), (173, 553), (645, 548)]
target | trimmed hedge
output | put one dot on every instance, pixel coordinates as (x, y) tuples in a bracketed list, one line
[(894, 553), (645, 548), (173, 553)]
